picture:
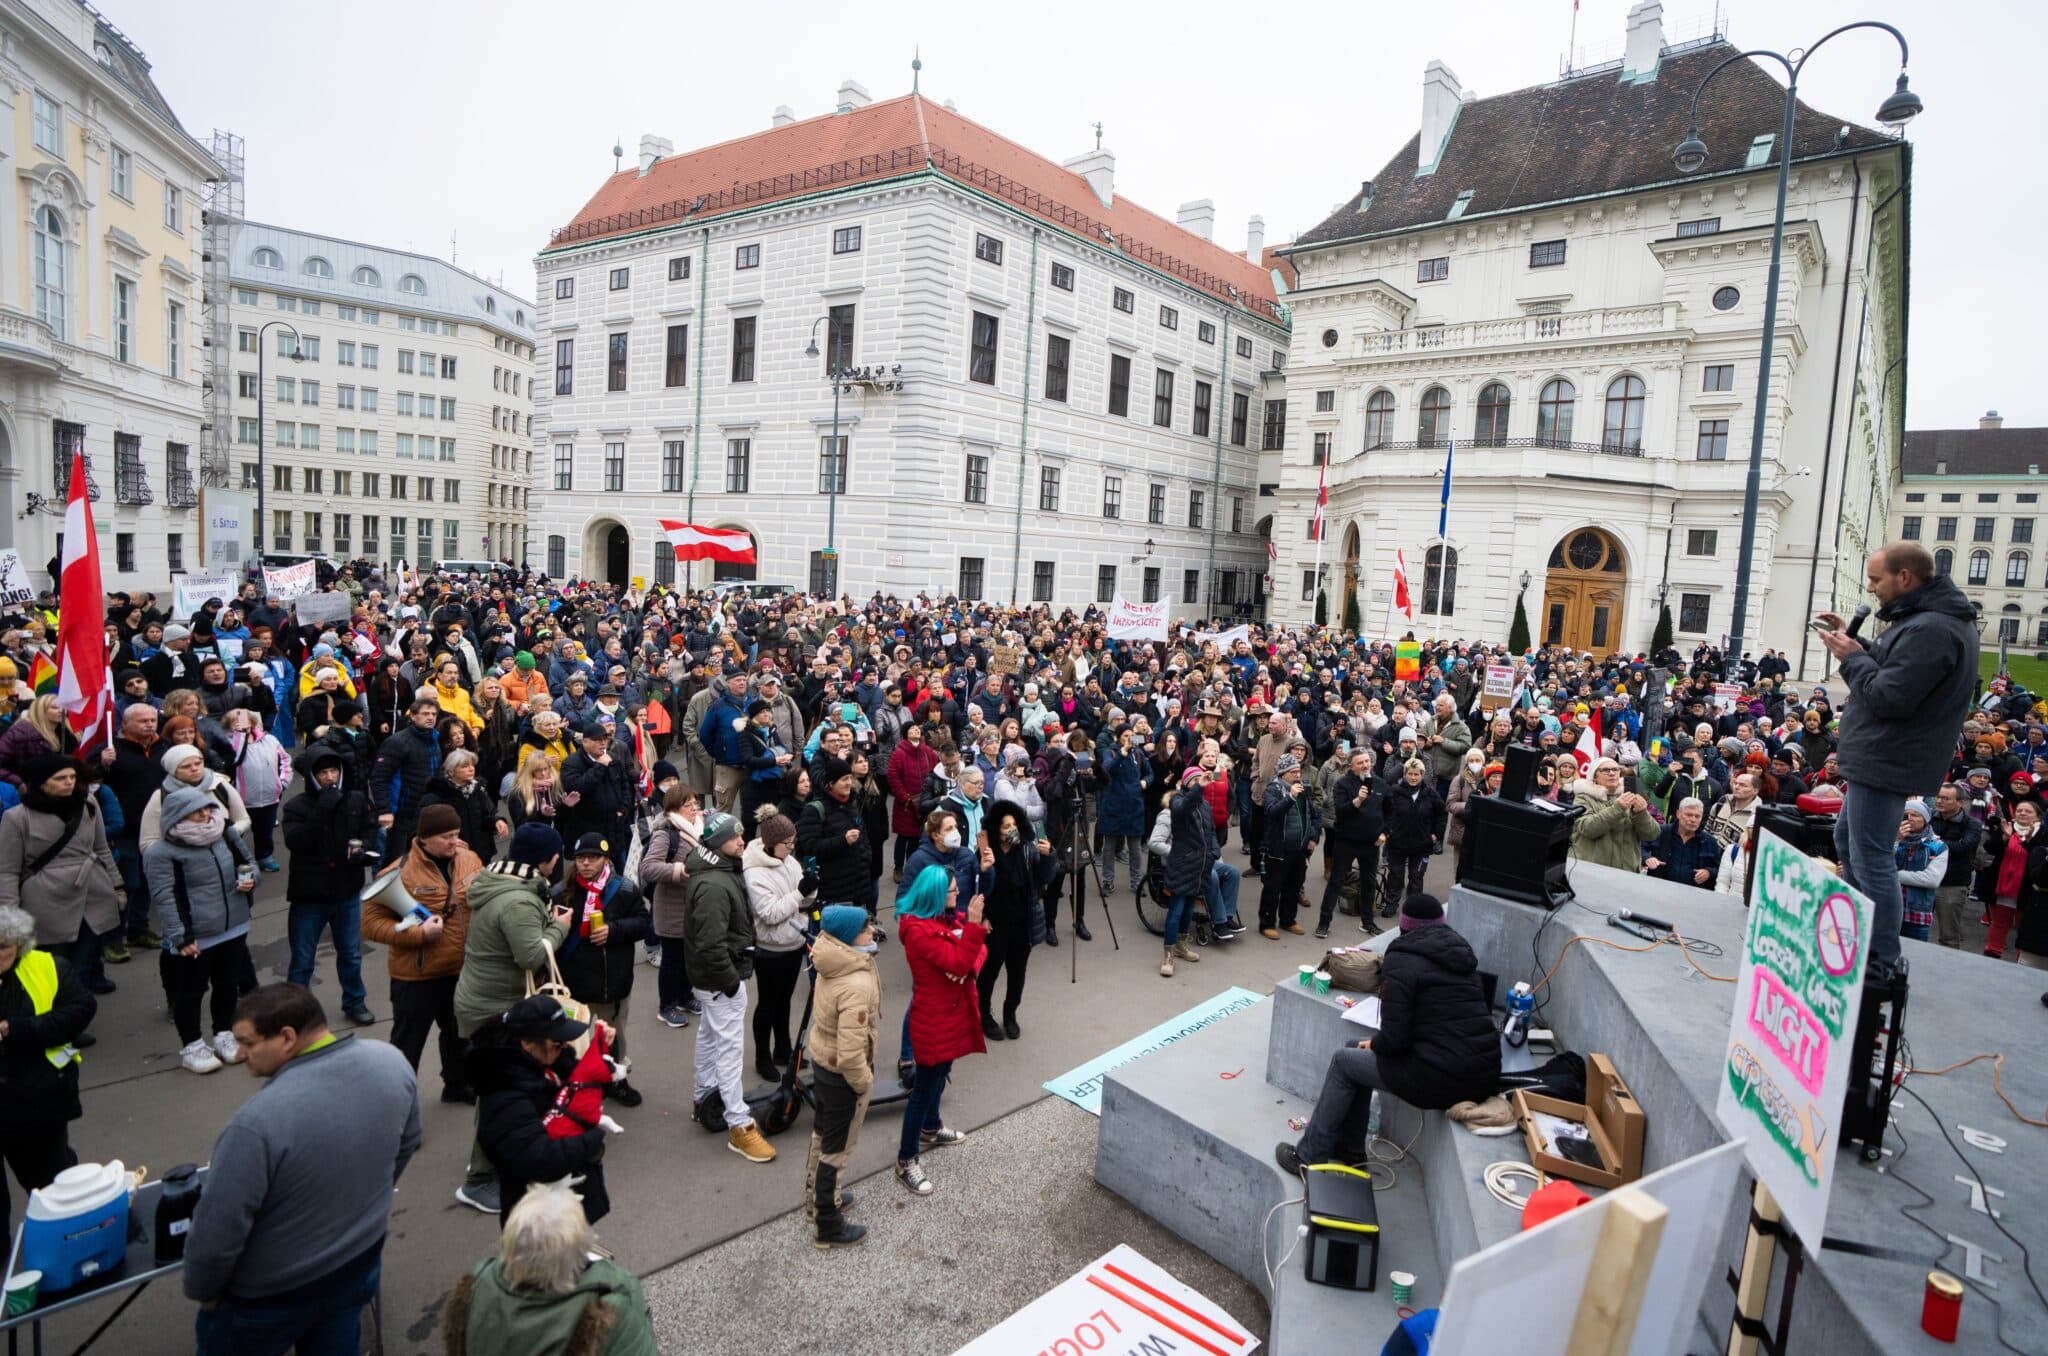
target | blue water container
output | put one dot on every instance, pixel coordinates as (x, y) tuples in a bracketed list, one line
[(76, 1228)]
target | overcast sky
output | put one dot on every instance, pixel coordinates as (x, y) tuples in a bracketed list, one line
[(405, 123)]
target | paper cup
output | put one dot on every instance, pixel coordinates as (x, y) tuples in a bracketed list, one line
[(1308, 976), (1322, 979), (21, 1292), (1404, 1285)]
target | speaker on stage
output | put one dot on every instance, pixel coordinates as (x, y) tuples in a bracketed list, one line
[(1519, 779), (1517, 849)]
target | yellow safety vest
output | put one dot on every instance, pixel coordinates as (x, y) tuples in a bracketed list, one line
[(38, 972)]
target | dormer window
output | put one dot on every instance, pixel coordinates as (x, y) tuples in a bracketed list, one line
[(367, 277), (266, 257), (412, 282), (316, 267), (1458, 208)]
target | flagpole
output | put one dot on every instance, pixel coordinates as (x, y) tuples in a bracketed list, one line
[(1322, 531)]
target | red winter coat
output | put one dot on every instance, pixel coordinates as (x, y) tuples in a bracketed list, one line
[(945, 1008), (908, 767)]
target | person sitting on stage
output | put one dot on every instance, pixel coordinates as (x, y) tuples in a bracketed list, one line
[(1436, 1045)]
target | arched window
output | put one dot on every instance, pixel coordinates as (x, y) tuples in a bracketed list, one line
[(1944, 561), (1980, 567), (490, 305), (316, 267), (2016, 570), (1379, 419), (1435, 419), (1440, 581), (51, 305), (267, 257), (367, 277), (519, 318), (1554, 412), (1624, 431), (1491, 428), (412, 282)]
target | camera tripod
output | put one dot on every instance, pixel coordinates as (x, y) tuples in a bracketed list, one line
[(1082, 864)]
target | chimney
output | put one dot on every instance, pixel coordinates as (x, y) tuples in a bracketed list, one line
[(1442, 97), (1098, 167), (784, 116), (1645, 41), (1200, 217), (853, 95), (1991, 419), (653, 148), (1255, 239)]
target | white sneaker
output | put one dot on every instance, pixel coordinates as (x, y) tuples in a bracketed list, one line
[(197, 1058), (225, 1047)]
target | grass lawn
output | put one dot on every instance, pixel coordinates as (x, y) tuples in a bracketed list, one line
[(2027, 669)]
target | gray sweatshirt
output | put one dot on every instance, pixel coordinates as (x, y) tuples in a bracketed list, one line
[(302, 1176)]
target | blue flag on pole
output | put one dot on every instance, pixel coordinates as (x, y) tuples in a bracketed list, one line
[(1443, 516)]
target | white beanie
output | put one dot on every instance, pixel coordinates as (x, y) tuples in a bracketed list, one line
[(178, 753)]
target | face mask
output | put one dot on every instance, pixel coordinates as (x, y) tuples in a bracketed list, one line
[(950, 840), (1010, 835), (197, 832), (870, 949)]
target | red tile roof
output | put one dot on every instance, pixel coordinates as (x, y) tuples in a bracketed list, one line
[(896, 137), (1271, 258)]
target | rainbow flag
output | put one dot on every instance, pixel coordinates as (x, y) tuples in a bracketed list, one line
[(42, 674), (1408, 660)]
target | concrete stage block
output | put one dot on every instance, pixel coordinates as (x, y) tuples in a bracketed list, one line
[(1306, 1028)]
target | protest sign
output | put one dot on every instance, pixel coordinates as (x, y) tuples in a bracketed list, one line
[(14, 586), (227, 528), (1499, 689), (1726, 695), (189, 592), (1224, 640), (1119, 1302), (1797, 996), (1083, 1085), (1005, 659), (293, 581), (1407, 660), (1137, 621), (314, 608)]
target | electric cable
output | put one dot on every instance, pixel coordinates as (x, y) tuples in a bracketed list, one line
[(1496, 1179), (2026, 1258), (1266, 1244)]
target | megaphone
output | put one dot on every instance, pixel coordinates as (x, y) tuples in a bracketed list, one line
[(388, 892)]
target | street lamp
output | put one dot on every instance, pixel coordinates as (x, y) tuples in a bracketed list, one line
[(1690, 156), (1526, 580), (838, 462), (263, 428)]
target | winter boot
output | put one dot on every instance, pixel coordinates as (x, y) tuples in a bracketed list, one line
[(1166, 966)]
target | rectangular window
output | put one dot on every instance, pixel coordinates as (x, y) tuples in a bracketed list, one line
[(1279, 362), (344, 440), (404, 408), (1119, 384), (342, 482), (245, 430), (344, 397), (976, 491), (558, 550), (1703, 226), (1203, 395), (615, 362), (124, 320), (1546, 254), (1124, 300), (250, 480), (743, 348), (664, 563), (447, 368), (971, 575), (1702, 541), (310, 307), (1194, 508), (1169, 318), (281, 478), (1041, 581), (839, 339), (565, 366), (1322, 449), (739, 465), (245, 385), (1308, 585), (447, 449), (1984, 529), (981, 360), (2022, 530), (366, 440), (174, 208), (1162, 398), (1112, 496), (1244, 347), (1939, 468), (287, 390), (287, 434), (565, 465), (1236, 514), (48, 121), (1326, 402), (679, 268), (1063, 277), (832, 464), (676, 364), (124, 552), (614, 467), (1692, 613), (314, 478), (621, 279), (1274, 434), (1105, 583), (280, 530), (1049, 489), (1433, 270), (1713, 441), (1058, 352), (174, 551), (309, 393), (747, 256), (846, 240), (369, 399), (1205, 332), (369, 352), (988, 249), (245, 341), (128, 477), (565, 288), (1719, 377), (1909, 527), (1240, 418), (1191, 586), (1987, 498), (1151, 585), (122, 174), (1155, 503), (400, 487), (309, 436)]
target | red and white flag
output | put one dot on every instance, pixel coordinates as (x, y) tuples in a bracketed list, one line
[(1322, 499), (1401, 598), (692, 542), (1272, 549), (85, 684), (1587, 750)]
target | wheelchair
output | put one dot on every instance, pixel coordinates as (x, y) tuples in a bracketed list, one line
[(1151, 900)]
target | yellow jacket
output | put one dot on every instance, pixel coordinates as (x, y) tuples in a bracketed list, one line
[(454, 700)]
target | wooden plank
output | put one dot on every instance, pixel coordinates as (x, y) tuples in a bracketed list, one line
[(1754, 1287), (1619, 1277)]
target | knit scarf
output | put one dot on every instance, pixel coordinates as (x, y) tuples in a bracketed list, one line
[(593, 895), (2012, 864)]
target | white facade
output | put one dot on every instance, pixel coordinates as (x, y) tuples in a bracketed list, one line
[(404, 429), (1655, 299), (1974, 498), (99, 298), (990, 488)]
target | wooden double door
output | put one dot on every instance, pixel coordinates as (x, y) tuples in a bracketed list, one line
[(1584, 592)]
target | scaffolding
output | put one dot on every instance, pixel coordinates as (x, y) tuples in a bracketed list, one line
[(223, 213)]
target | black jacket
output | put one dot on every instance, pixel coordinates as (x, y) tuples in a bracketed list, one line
[(513, 1094), (1416, 816), (602, 974), (1964, 835), (405, 764), (317, 826), (1908, 690), (1358, 824), (478, 811), (607, 801), (1437, 1044), (842, 867), (36, 1095), (1193, 851), (358, 757)]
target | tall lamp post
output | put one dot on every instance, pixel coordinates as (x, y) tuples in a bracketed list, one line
[(838, 462), (1691, 157), (262, 426)]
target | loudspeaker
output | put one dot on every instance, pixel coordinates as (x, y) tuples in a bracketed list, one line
[(1518, 849), (1520, 777)]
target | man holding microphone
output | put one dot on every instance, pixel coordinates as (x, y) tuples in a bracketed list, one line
[(1908, 693)]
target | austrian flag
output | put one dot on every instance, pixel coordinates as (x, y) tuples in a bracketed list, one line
[(85, 685), (692, 542)]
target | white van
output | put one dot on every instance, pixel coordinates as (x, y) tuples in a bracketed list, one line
[(466, 566)]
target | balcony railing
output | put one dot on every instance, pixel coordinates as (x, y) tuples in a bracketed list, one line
[(131, 486), (181, 493), (1612, 322), (1613, 449)]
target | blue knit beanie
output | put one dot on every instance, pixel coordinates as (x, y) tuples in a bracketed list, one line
[(534, 843), (843, 921)]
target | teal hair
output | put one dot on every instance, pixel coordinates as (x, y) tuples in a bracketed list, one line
[(926, 897)]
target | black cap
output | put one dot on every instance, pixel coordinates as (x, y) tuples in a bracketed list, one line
[(756, 707), (593, 845), (540, 1018), (594, 729)]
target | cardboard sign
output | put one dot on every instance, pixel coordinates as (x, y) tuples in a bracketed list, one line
[(1797, 996), (1006, 659), (227, 528), (1726, 695), (1137, 621), (1083, 1085), (1499, 688), (14, 586), (293, 581), (314, 608), (1407, 660), (1119, 1302), (189, 592)]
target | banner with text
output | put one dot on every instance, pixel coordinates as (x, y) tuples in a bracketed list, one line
[(1083, 1085), (315, 608), (1120, 1302), (14, 586), (189, 592), (1137, 621), (227, 529), (292, 581), (1224, 640)]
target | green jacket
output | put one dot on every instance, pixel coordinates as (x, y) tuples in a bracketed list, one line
[(1605, 835), (718, 927), (604, 1315), (508, 920)]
